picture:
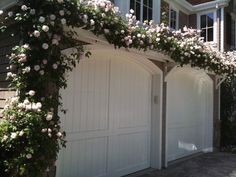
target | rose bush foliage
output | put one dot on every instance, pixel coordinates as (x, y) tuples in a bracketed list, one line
[(30, 131)]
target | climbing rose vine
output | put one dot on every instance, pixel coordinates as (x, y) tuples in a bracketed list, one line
[(30, 132)]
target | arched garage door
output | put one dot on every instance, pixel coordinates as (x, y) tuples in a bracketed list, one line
[(189, 112), (108, 122)]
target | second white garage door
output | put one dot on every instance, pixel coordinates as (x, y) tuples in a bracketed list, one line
[(108, 119), (189, 113)]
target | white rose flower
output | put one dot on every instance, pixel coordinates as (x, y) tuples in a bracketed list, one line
[(44, 130), (158, 39), (45, 46), (21, 133), (59, 134), (21, 105), (36, 67), (32, 11), (34, 106), (54, 66), (45, 61), (28, 107), (62, 12), (26, 70), (22, 57), (31, 93), (39, 105), (55, 42), (41, 19), (1, 12), (10, 14), (26, 102), (52, 17), (9, 74), (5, 137), (106, 31), (26, 46), (24, 7), (28, 156), (41, 72), (63, 21), (92, 22), (45, 28), (13, 135), (36, 33), (49, 116), (131, 11)]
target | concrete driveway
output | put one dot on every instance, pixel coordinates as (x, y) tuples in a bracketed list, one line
[(204, 165)]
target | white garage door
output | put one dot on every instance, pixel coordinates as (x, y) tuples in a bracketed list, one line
[(189, 113), (108, 119)]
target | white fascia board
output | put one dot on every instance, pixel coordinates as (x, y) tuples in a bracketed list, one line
[(188, 8), (4, 4)]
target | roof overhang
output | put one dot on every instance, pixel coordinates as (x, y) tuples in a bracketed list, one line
[(188, 8)]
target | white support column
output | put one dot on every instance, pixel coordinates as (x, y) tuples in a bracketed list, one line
[(222, 30)]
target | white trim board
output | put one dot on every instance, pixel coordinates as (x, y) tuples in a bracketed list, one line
[(188, 8)]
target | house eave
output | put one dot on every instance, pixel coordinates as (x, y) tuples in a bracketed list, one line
[(189, 9)]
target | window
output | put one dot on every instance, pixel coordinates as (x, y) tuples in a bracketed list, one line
[(143, 9), (173, 19), (207, 26)]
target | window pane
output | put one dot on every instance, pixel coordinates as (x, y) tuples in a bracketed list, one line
[(173, 14), (149, 14), (203, 34), (145, 13), (210, 19), (137, 12), (173, 24), (150, 3), (203, 21), (145, 2), (210, 34), (132, 4)]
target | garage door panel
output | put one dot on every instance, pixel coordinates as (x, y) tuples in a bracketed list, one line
[(134, 84), (86, 158), (185, 142), (133, 152), (93, 96)]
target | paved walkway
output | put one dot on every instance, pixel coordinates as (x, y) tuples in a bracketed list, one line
[(205, 165)]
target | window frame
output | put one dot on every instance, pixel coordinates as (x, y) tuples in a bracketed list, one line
[(141, 9), (214, 23), (171, 7)]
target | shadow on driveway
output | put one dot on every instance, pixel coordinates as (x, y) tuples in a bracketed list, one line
[(205, 165)]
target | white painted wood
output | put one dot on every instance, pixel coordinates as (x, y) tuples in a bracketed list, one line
[(108, 122), (156, 122), (189, 113)]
